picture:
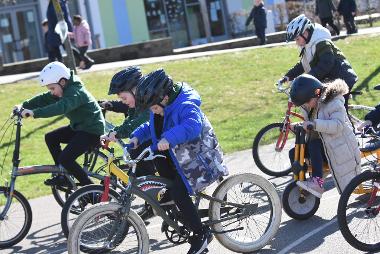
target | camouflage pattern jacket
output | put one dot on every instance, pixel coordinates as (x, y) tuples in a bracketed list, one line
[(194, 148)]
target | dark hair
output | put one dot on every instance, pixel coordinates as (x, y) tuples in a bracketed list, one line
[(78, 18)]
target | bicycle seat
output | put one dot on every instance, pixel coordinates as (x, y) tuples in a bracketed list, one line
[(371, 145)]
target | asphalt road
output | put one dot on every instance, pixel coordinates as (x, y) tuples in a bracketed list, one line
[(319, 234)]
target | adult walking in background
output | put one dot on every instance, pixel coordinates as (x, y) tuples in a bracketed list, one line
[(259, 17), (347, 8), (325, 9), (82, 38), (53, 40)]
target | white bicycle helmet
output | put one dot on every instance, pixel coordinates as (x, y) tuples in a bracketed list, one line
[(53, 73), (297, 26)]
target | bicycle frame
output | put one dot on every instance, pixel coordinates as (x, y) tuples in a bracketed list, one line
[(149, 187)]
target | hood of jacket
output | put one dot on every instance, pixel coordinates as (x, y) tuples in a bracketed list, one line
[(334, 89), (186, 95)]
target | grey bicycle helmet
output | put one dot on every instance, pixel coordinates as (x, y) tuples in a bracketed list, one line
[(297, 27), (304, 88), (125, 80), (152, 89)]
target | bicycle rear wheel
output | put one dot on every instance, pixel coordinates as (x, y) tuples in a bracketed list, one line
[(61, 194), (256, 219), (91, 232), (17, 221), (269, 158), (81, 200), (358, 212)]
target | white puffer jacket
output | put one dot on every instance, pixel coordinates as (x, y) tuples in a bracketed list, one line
[(335, 130)]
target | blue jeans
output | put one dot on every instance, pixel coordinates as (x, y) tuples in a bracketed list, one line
[(315, 152)]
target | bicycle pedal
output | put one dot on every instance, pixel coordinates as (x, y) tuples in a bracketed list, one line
[(205, 251)]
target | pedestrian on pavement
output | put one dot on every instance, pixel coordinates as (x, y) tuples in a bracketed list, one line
[(259, 17), (53, 39), (325, 9), (82, 38), (347, 8)]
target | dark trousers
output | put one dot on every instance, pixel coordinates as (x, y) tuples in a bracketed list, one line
[(78, 142), (143, 168), (349, 22), (54, 54), (330, 22), (260, 32), (315, 152), (179, 193), (80, 54)]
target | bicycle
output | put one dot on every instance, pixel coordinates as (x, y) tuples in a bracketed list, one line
[(358, 211), (105, 226), (15, 210), (272, 143), (298, 203)]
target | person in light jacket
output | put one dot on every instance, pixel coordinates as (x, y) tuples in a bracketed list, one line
[(82, 38), (332, 135)]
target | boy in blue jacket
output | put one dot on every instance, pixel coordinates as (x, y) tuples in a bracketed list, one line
[(183, 134)]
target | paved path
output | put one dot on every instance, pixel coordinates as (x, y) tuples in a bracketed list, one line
[(319, 234)]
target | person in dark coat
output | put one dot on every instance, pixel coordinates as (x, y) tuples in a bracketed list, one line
[(324, 9), (347, 8), (259, 17), (53, 39)]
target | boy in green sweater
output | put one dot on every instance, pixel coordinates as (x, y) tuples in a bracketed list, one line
[(67, 96)]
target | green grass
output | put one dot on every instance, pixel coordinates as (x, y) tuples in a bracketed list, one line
[(237, 93)]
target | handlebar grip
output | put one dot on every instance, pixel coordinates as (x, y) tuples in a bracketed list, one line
[(105, 143)]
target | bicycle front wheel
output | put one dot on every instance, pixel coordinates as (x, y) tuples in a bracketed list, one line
[(270, 158), (79, 201), (358, 212), (91, 232), (17, 221), (255, 219)]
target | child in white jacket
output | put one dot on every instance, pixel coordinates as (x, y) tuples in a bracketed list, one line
[(332, 130)]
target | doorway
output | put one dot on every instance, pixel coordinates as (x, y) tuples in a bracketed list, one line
[(20, 34)]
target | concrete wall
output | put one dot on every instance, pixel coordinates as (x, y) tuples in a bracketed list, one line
[(159, 47)]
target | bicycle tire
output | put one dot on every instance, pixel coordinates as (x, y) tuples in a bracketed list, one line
[(345, 218), (77, 231), (12, 212), (68, 207), (294, 207), (273, 203), (62, 196), (267, 163)]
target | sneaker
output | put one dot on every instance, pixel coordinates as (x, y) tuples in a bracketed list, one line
[(199, 241), (313, 186), (58, 180)]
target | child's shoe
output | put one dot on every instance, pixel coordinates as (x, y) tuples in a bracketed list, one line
[(313, 185)]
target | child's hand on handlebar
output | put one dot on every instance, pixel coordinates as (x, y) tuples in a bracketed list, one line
[(105, 104), (282, 80), (163, 145), (27, 113), (308, 125), (134, 141), (366, 123)]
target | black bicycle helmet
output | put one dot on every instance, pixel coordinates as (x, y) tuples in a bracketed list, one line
[(125, 80), (304, 88), (152, 89)]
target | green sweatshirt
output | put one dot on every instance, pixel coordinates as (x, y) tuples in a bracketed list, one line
[(77, 104), (130, 123)]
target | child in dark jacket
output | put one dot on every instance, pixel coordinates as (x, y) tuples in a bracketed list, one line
[(67, 96), (259, 17), (180, 130)]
